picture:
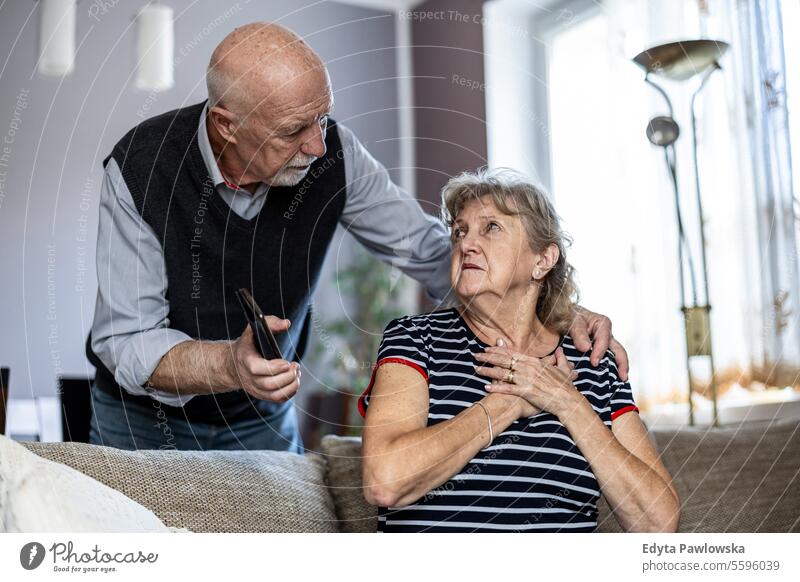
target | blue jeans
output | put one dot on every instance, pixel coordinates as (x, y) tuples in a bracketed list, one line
[(132, 426)]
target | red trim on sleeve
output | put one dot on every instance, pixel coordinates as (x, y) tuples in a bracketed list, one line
[(623, 410), (362, 409)]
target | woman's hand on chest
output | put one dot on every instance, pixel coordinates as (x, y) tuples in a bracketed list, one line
[(545, 383)]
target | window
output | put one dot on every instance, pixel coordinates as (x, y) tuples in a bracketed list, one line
[(583, 108), (611, 191)]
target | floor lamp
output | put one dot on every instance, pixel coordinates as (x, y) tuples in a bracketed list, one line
[(680, 61)]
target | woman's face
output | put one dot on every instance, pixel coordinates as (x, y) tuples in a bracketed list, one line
[(491, 254)]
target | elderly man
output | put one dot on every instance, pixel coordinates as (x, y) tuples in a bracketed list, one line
[(243, 190)]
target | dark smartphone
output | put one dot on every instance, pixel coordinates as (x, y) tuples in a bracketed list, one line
[(262, 335)]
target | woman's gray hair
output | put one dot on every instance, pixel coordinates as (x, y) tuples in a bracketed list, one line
[(513, 195)]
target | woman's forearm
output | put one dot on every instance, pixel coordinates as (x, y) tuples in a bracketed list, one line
[(640, 498), (417, 462)]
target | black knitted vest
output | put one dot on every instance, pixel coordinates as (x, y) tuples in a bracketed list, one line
[(210, 251)]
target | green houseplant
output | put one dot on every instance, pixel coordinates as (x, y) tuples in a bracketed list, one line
[(375, 293)]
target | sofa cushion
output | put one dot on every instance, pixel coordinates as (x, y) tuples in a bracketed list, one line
[(211, 491), (39, 495), (343, 476), (742, 478)]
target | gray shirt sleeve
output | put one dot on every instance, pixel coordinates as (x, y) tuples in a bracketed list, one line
[(130, 332), (390, 222)]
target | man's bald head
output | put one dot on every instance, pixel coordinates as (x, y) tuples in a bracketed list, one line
[(269, 102), (256, 63)]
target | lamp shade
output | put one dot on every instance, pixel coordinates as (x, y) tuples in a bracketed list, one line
[(681, 60), (56, 37), (156, 40)]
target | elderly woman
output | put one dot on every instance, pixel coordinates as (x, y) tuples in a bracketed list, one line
[(485, 417)]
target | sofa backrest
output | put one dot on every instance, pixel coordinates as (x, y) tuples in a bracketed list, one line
[(742, 478), (213, 491), (343, 477)]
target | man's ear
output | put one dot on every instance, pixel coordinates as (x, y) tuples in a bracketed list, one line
[(546, 261), (224, 123)]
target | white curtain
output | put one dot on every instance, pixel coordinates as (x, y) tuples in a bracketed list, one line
[(765, 148)]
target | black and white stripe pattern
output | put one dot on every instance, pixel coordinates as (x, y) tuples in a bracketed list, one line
[(533, 477)]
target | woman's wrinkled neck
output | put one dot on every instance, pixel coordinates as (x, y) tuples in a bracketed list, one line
[(510, 318)]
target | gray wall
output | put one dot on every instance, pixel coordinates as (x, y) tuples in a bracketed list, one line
[(57, 131), (450, 112), (449, 105)]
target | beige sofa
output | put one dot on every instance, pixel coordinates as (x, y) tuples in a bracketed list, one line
[(737, 479)]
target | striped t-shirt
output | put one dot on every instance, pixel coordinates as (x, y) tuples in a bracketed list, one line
[(532, 477)]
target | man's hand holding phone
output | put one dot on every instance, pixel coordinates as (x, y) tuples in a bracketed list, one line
[(276, 379)]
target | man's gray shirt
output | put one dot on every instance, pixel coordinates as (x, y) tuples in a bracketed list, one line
[(131, 333)]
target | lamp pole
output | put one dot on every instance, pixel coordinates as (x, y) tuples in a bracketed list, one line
[(713, 383), (681, 61)]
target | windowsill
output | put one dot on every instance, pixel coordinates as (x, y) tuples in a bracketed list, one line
[(677, 415)]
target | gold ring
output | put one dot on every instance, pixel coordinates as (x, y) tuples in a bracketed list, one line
[(510, 377), (513, 362)]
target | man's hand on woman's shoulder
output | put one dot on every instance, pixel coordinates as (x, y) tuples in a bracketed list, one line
[(592, 331)]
